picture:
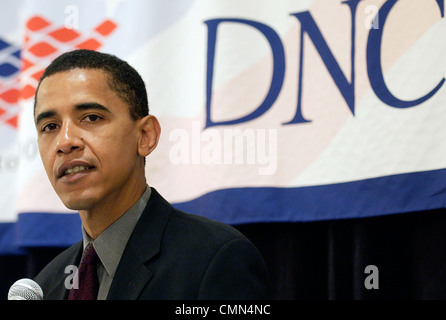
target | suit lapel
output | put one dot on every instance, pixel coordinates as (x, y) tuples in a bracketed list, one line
[(130, 278), (133, 274)]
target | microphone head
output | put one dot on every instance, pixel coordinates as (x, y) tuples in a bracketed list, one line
[(25, 289)]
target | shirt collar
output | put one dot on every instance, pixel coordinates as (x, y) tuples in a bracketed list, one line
[(110, 244)]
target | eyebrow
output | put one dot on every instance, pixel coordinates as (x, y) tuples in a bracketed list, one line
[(79, 107), (44, 115)]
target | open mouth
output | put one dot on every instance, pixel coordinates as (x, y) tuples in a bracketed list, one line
[(76, 169)]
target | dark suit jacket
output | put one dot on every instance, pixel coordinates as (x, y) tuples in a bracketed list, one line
[(174, 255)]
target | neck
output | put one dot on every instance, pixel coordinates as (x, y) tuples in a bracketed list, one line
[(95, 220)]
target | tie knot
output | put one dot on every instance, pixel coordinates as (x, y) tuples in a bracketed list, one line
[(90, 256)]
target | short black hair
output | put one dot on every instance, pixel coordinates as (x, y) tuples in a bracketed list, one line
[(123, 78)]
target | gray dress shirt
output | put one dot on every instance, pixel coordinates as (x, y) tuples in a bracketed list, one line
[(110, 244)]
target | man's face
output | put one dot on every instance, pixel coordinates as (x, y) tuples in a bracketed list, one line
[(87, 139)]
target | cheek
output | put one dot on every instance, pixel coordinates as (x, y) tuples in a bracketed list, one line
[(46, 156), (115, 150)]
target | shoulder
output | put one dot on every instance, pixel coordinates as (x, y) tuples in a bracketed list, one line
[(193, 257), (201, 228), (181, 229), (231, 266)]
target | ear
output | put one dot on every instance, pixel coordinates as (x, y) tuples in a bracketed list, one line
[(149, 130)]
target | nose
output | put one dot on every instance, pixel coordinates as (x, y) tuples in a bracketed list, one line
[(69, 139)]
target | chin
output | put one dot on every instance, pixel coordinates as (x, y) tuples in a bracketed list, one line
[(74, 203), (78, 198)]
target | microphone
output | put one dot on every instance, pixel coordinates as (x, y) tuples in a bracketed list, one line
[(25, 289)]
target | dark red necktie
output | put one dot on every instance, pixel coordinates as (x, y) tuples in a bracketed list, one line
[(87, 277)]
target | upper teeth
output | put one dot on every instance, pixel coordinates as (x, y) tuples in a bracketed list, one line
[(75, 169)]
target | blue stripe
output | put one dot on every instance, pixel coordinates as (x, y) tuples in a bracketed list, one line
[(7, 236), (37, 229), (365, 198)]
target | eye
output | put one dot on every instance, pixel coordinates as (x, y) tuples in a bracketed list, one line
[(92, 118), (49, 127)]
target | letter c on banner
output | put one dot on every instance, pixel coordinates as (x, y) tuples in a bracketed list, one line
[(374, 66)]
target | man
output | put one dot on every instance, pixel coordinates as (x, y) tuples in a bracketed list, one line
[(94, 132)]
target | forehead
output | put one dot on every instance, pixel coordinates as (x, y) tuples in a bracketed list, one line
[(73, 87)]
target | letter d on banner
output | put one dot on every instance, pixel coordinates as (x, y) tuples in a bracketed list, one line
[(278, 69)]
